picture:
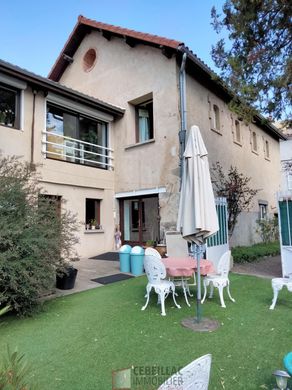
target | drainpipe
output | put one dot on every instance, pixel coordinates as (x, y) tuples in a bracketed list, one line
[(32, 130), (183, 113)]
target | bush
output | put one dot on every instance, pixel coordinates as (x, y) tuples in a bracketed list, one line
[(268, 229), (242, 254), (15, 373), (34, 240)]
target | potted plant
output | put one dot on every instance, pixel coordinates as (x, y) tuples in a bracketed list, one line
[(93, 224), (65, 279), (150, 243)]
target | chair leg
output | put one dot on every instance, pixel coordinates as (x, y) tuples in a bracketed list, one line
[(220, 288), (205, 293), (211, 290), (185, 293), (228, 291), (174, 300), (148, 295), (276, 292), (162, 299)]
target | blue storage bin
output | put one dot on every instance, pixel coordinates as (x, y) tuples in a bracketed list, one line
[(137, 260), (124, 256)]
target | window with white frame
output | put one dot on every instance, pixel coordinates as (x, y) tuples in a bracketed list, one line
[(216, 117), (263, 210), (237, 132), (144, 121), (254, 141), (9, 106)]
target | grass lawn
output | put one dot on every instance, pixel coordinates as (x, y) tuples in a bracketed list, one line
[(76, 341)]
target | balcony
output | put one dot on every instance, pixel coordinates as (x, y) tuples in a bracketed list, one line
[(63, 148)]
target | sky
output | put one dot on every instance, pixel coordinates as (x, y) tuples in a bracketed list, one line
[(33, 32)]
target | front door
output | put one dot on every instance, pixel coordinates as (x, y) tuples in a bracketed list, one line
[(139, 220)]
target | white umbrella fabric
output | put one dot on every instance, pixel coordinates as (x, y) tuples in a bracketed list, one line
[(197, 216)]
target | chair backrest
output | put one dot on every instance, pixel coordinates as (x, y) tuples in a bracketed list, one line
[(194, 376), (176, 245), (152, 252), (224, 264), (154, 269)]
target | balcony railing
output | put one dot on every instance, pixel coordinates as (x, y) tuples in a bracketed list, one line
[(61, 147)]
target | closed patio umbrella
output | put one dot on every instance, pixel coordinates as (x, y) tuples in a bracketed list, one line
[(197, 217)]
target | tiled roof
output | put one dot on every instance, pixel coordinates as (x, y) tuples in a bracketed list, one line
[(56, 87), (130, 33)]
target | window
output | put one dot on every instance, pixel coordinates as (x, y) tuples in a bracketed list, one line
[(266, 149), (92, 213), (254, 143), (55, 200), (9, 107), (263, 210), (289, 181), (237, 131), (144, 121), (75, 138), (136, 216), (216, 118)]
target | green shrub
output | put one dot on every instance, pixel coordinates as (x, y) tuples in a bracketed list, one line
[(268, 229), (242, 254), (15, 373), (35, 240)]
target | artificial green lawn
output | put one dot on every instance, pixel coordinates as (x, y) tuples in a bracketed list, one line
[(76, 341)]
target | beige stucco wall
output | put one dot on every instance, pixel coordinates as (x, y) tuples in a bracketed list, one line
[(264, 173), (73, 182), (122, 74)]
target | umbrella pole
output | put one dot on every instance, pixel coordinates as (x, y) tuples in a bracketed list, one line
[(198, 251)]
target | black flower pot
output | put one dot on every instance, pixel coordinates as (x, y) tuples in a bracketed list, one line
[(66, 281)]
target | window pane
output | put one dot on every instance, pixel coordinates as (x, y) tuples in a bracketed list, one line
[(92, 212), (144, 113), (67, 129), (7, 107)]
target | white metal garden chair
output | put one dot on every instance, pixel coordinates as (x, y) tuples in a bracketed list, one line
[(177, 246), (194, 376), (220, 279), (152, 252), (156, 273)]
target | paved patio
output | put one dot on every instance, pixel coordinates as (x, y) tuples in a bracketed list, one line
[(89, 269)]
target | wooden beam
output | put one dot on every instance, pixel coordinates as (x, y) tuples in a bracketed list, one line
[(167, 52), (129, 41), (106, 34)]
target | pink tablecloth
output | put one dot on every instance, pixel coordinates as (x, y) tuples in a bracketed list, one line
[(186, 266)]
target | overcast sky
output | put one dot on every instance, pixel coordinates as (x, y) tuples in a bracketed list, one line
[(33, 32)]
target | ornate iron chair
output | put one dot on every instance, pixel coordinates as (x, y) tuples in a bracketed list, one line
[(220, 279), (194, 376), (156, 273)]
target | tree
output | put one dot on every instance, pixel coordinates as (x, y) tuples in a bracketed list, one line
[(35, 241), (234, 186), (257, 64)]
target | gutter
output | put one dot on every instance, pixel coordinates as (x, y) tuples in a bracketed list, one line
[(183, 113)]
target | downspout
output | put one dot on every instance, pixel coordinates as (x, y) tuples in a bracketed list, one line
[(183, 113), (32, 130)]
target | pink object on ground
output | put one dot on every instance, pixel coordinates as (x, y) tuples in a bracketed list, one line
[(186, 266)]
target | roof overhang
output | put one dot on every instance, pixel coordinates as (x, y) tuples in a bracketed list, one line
[(46, 85)]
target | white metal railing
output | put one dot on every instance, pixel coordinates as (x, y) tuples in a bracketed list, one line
[(72, 150)]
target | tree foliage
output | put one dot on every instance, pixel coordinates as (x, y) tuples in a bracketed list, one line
[(257, 63), (234, 186), (34, 240)]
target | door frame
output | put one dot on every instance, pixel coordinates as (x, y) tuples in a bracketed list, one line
[(140, 224)]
